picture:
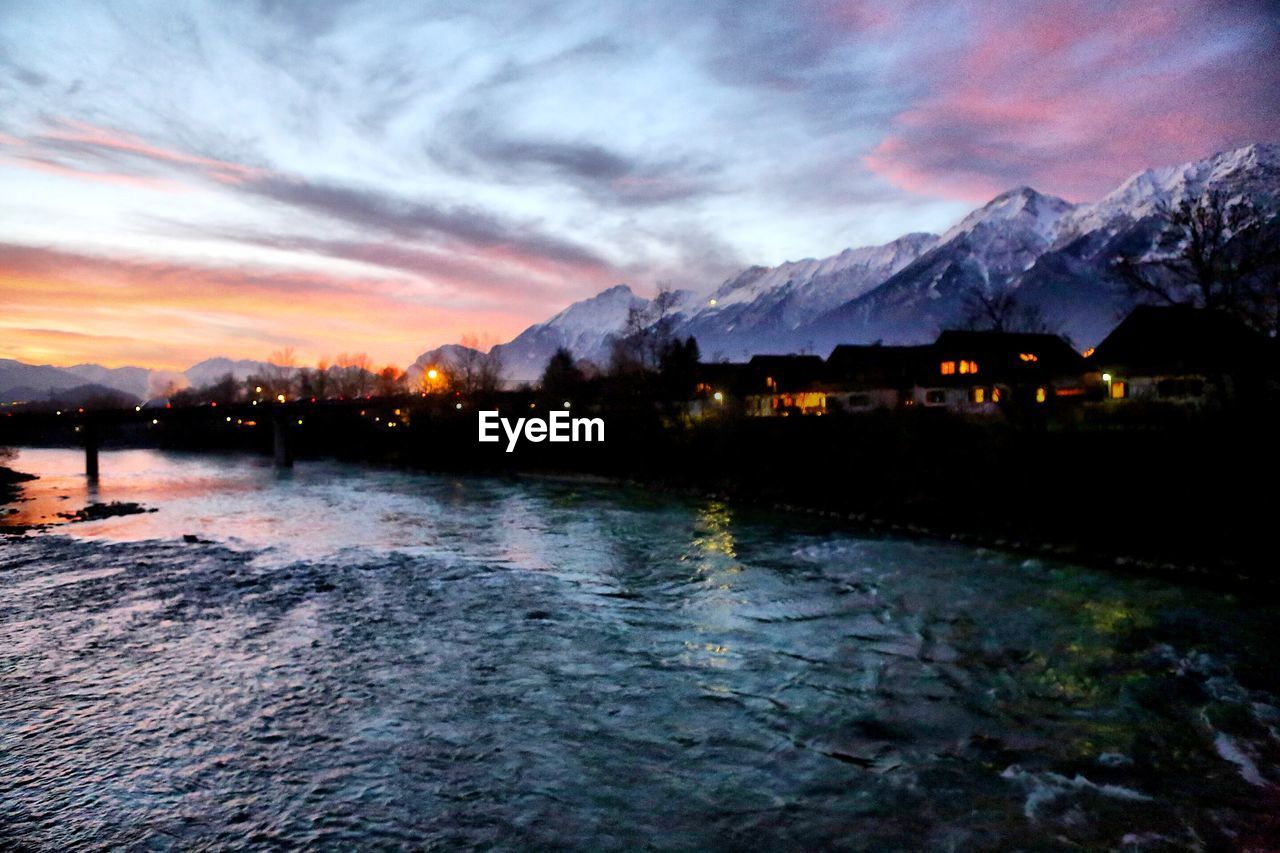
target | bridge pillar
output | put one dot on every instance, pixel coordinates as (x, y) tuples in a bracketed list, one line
[(282, 438), (90, 433)]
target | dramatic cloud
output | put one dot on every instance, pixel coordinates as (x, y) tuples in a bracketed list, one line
[(1072, 96), (197, 178)]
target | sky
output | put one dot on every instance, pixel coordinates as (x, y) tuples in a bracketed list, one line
[(181, 180)]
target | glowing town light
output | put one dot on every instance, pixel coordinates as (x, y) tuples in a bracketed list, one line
[(228, 419), (1106, 377), (154, 421), (257, 389), (279, 398), (719, 397), (58, 412), (137, 408), (458, 406), (566, 404), (712, 303), (433, 374), (299, 421)]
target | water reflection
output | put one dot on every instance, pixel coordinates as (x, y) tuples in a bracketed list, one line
[(370, 658)]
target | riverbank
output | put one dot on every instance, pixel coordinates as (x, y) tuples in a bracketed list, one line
[(1177, 500), (11, 488)]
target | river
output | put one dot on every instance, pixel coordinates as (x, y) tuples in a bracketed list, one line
[(351, 656)]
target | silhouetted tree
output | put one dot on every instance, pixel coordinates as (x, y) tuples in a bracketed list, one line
[(638, 347), (223, 391), (473, 371), (1214, 252), (678, 366), (280, 373), (562, 376), (353, 375), (1002, 310), (390, 382)]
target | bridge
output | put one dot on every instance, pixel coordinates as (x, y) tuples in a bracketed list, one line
[(237, 424)]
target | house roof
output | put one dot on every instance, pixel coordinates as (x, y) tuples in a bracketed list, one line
[(877, 366), (789, 372), (1007, 354), (1181, 338)]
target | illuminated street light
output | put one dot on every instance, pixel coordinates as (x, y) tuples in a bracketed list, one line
[(719, 397), (1106, 377), (433, 374)]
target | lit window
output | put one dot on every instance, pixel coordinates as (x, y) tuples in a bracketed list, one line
[(1118, 390), (995, 395), (1087, 352), (1028, 356), (1040, 395), (948, 368), (968, 366), (979, 395)]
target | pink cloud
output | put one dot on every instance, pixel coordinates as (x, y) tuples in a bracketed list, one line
[(1072, 97)]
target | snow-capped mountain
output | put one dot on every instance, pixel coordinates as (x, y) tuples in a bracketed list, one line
[(584, 328), (436, 358), (1056, 255), (1253, 169), (985, 251), (212, 369), (765, 305)]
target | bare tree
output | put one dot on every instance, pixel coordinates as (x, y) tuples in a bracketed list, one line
[(1002, 310), (353, 375), (1214, 252), (472, 370), (279, 375), (645, 336)]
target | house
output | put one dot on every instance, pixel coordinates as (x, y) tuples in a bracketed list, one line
[(786, 385), (985, 372), (864, 378), (718, 387), (1183, 356)]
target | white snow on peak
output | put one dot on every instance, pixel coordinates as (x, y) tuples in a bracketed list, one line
[(604, 312), (1147, 190), (1021, 208), (871, 264)]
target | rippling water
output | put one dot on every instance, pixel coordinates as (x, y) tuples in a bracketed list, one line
[(372, 658)]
